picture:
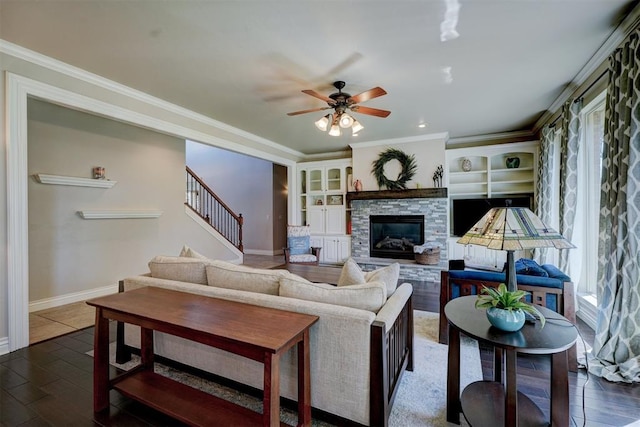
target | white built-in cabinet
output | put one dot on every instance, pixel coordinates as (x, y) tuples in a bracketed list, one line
[(322, 188), (483, 172)]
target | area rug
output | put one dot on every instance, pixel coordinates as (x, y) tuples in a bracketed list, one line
[(421, 397)]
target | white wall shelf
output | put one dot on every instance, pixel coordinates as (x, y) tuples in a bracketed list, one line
[(74, 181), (113, 214)]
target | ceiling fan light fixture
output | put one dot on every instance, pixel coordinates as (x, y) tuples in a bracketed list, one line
[(323, 123), (356, 127), (335, 130), (346, 120)]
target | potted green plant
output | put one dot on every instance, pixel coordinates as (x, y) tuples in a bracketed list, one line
[(505, 309)]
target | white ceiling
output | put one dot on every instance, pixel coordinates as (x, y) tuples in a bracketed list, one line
[(244, 63)]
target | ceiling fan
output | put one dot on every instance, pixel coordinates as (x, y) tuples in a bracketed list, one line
[(341, 102)]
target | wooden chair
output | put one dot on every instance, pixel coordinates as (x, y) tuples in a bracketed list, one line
[(299, 250)]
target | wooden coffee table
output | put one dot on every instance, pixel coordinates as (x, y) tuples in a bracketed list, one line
[(258, 333)]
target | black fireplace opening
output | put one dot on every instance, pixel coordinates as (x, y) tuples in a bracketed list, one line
[(394, 236)]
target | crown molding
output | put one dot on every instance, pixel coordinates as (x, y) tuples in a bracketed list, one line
[(490, 137), (104, 83), (630, 22), (407, 140)]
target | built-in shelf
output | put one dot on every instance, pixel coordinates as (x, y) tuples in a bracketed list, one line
[(74, 181), (111, 214)]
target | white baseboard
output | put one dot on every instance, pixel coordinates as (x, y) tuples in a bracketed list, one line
[(264, 252), (587, 310), (4, 345), (45, 303)]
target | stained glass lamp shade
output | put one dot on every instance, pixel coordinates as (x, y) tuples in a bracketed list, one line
[(513, 229)]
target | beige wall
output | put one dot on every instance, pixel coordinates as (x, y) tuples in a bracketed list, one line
[(68, 254), (245, 184), (429, 154)]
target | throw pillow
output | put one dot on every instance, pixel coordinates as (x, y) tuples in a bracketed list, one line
[(367, 296), (187, 252), (530, 268), (221, 274), (352, 274), (182, 269), (388, 275), (298, 245)]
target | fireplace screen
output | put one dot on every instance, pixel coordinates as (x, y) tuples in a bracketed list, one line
[(394, 236)]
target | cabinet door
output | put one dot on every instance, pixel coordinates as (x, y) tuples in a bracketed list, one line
[(334, 220), (315, 180), (330, 250), (315, 219), (343, 248), (334, 181)]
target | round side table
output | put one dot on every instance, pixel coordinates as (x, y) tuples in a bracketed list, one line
[(498, 403)]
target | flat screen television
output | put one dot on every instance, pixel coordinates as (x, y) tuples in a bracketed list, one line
[(466, 212)]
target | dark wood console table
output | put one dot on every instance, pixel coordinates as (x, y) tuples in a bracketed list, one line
[(258, 333), (498, 403)]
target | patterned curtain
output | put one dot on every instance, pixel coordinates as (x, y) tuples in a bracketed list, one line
[(569, 174), (616, 349), (544, 185)]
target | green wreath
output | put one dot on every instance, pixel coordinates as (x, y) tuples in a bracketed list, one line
[(409, 167)]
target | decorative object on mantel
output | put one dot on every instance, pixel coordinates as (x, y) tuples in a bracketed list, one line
[(357, 185), (466, 165), (98, 172), (512, 162), (427, 254), (409, 167), (437, 177)]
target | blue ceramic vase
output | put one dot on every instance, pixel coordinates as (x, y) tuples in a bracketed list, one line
[(506, 320)]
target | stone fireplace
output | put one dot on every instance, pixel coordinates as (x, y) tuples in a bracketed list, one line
[(430, 205)]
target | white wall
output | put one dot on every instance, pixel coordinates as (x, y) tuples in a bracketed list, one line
[(68, 254), (429, 153), (245, 184)]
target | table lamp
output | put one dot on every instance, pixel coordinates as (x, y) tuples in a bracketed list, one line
[(513, 229)]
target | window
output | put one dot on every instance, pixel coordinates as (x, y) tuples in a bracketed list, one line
[(589, 175)]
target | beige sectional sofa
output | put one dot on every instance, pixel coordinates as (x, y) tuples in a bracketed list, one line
[(360, 346)]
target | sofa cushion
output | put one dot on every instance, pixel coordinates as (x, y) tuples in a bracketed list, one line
[(530, 268), (303, 258), (352, 274), (367, 296), (182, 269), (223, 274), (190, 253)]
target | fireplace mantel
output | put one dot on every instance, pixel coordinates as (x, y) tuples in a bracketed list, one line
[(417, 193)]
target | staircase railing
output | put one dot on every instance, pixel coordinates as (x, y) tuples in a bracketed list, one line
[(203, 201)]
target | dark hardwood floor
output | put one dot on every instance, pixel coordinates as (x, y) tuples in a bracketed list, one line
[(50, 384)]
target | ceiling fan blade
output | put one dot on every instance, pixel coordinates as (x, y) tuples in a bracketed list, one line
[(367, 95), (318, 95), (295, 113), (370, 111)]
